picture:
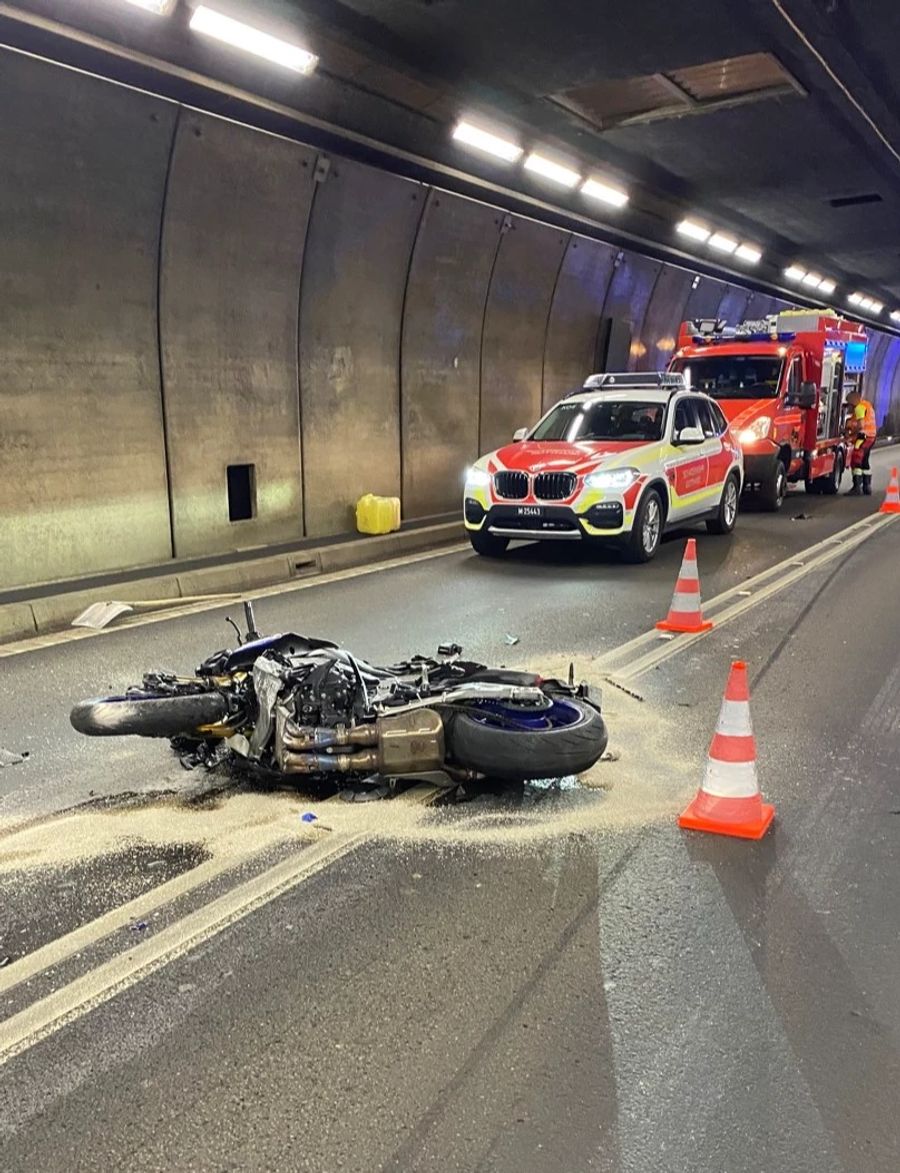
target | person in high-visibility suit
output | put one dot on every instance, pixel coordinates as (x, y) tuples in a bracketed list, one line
[(861, 429)]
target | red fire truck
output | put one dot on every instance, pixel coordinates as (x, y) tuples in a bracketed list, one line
[(781, 382)]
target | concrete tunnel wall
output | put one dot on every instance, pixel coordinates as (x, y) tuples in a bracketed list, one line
[(179, 293)]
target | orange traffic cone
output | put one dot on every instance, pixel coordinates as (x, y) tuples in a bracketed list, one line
[(891, 502), (686, 613), (728, 801)]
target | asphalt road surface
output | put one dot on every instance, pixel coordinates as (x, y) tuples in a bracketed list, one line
[(539, 979)]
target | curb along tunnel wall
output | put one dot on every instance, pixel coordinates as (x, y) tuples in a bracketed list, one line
[(181, 295)]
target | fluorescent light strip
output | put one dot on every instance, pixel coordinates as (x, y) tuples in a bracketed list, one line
[(812, 279), (795, 273), (895, 315), (856, 299), (157, 7), (876, 306), (483, 140), (597, 190), (722, 242), (827, 286), (550, 170), (251, 40), (694, 230), (749, 253)]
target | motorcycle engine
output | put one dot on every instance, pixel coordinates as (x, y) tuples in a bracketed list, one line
[(321, 696)]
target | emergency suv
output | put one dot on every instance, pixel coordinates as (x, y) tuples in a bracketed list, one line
[(622, 458), (782, 382)]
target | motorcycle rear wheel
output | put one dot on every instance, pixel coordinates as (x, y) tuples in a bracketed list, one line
[(148, 716), (518, 753)]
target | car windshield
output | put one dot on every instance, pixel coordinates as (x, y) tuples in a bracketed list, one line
[(603, 420), (742, 376)]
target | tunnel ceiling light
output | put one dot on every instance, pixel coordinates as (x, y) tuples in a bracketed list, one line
[(827, 286), (482, 140), (895, 315), (875, 307), (722, 242), (855, 299), (252, 40), (749, 253), (157, 7), (795, 273), (596, 189), (541, 165), (812, 279), (694, 230)]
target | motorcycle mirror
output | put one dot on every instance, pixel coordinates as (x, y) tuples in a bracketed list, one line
[(252, 633)]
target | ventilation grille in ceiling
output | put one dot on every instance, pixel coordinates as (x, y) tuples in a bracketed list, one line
[(869, 197), (695, 90)]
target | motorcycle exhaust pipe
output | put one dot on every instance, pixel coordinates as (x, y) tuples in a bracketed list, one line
[(330, 763), (405, 744), (303, 739)]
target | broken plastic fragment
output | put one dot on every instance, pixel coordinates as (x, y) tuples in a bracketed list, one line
[(308, 817), (512, 640)]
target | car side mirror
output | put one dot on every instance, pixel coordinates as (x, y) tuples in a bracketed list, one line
[(519, 434), (690, 436), (805, 397)]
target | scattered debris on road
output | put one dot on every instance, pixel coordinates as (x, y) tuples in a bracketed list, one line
[(802, 517), (512, 640), (9, 757)]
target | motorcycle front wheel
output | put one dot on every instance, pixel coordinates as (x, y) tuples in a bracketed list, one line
[(148, 715), (511, 743)]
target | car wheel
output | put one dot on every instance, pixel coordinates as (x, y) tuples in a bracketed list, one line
[(724, 521), (646, 532), (773, 491), (488, 545)]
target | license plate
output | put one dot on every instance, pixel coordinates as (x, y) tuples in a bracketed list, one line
[(529, 511)]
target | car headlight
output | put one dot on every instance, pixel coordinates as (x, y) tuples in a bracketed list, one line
[(478, 478), (758, 430), (614, 478)]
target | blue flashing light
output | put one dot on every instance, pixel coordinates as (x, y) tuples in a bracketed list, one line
[(855, 357)]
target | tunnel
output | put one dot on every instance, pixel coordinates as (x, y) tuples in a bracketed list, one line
[(364, 341)]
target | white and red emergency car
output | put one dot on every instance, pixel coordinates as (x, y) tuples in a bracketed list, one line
[(624, 457)]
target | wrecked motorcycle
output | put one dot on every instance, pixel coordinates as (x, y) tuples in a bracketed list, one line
[(292, 705)]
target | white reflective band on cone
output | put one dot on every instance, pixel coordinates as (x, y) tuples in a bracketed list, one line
[(689, 569), (734, 719), (730, 779), (687, 604)]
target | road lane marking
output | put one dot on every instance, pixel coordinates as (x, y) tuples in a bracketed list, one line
[(645, 651), (69, 1003), (70, 635), (56, 952)]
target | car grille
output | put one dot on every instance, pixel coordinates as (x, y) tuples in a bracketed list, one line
[(511, 485), (554, 486)]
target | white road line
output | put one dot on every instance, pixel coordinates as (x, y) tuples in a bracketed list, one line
[(645, 651), (72, 1001), (56, 952), (79, 940), (70, 635)]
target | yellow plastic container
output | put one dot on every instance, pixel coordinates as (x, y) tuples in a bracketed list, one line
[(377, 515)]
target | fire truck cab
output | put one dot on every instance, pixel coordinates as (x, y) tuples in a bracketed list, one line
[(781, 382)]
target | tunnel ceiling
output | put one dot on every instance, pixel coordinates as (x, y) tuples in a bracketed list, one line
[(776, 120)]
